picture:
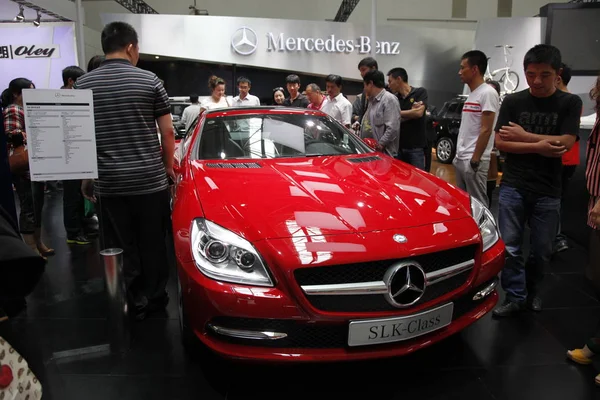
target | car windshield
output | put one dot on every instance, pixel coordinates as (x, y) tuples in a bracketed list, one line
[(275, 136)]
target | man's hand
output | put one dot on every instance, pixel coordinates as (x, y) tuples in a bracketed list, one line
[(170, 173), (595, 214), (379, 147), (417, 104), (513, 133), (551, 148), (87, 189)]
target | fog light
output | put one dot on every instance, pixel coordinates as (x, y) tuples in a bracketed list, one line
[(486, 291), (247, 334)]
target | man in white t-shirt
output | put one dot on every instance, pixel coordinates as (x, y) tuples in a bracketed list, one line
[(245, 99), (475, 138), (337, 105)]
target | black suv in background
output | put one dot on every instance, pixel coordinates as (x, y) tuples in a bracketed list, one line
[(446, 123)]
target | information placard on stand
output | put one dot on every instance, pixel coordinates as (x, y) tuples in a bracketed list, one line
[(61, 138)]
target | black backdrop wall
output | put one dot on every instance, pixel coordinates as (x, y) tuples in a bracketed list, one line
[(184, 77)]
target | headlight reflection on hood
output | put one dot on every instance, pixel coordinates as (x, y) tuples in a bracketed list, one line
[(222, 255), (486, 222)]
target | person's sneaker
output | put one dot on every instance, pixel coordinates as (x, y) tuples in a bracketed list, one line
[(79, 239), (507, 309), (534, 303), (561, 246), (579, 356), (140, 307), (91, 233)]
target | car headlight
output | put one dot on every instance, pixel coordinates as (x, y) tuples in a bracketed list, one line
[(222, 255), (486, 222)]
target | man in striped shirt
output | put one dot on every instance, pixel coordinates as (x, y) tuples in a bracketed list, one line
[(133, 172)]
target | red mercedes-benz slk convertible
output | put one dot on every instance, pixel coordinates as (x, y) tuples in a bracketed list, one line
[(295, 241)]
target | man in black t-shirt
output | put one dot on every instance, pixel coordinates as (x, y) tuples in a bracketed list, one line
[(413, 103), (296, 98), (535, 128)]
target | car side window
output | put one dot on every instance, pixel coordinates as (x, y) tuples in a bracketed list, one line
[(188, 137), (452, 109)]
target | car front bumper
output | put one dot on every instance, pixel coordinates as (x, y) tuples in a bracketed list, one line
[(269, 324)]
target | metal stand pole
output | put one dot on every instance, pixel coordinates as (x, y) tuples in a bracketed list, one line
[(118, 315), (80, 38), (374, 28)]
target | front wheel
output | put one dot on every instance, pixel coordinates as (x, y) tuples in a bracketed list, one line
[(510, 81), (445, 150)]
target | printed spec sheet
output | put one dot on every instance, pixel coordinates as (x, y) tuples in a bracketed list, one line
[(61, 139)]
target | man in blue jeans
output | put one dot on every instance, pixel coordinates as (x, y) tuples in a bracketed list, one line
[(535, 128)]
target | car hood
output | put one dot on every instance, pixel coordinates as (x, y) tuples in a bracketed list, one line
[(281, 198)]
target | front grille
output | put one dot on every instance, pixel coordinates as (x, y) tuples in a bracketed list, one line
[(375, 270), (372, 303), (317, 335)]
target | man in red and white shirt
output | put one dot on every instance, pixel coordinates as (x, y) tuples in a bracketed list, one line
[(315, 97), (475, 139)]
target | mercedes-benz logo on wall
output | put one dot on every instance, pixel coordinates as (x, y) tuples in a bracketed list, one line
[(244, 41), (406, 284)]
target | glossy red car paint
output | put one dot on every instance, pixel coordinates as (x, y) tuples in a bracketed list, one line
[(313, 212)]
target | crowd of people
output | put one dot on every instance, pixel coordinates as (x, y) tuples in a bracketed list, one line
[(535, 129)]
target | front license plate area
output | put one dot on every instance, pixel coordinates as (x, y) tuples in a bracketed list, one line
[(389, 330)]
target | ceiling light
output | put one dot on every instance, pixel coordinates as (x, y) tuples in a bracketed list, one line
[(157, 57), (21, 15), (38, 20)]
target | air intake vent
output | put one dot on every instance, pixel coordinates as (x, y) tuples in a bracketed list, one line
[(233, 165), (364, 159)]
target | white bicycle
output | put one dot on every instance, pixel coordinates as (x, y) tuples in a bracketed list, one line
[(509, 80)]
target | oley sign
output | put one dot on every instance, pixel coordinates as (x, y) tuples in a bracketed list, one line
[(244, 41), (29, 51)]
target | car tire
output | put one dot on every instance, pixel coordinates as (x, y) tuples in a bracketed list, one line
[(445, 149)]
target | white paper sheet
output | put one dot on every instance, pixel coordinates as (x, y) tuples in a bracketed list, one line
[(61, 138)]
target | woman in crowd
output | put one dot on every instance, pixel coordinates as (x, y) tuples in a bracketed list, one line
[(278, 96), (94, 63), (217, 97), (592, 174), (31, 194), (90, 216)]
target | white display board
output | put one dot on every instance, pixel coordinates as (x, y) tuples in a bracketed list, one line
[(61, 138)]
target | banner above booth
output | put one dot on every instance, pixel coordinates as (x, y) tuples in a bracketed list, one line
[(311, 47), (37, 53)]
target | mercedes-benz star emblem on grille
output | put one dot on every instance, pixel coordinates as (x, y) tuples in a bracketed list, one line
[(406, 284), (400, 238), (244, 41)]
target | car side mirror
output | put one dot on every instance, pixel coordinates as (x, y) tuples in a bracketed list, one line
[(372, 143)]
